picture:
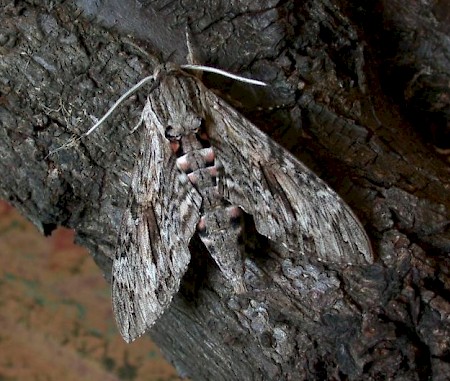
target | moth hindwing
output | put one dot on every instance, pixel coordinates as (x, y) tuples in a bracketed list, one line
[(200, 165)]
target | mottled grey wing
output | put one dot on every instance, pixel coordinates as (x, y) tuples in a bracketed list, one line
[(152, 253), (289, 203)]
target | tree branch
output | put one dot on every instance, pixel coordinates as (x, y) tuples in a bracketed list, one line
[(333, 101)]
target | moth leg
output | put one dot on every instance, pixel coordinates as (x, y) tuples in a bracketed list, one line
[(225, 244)]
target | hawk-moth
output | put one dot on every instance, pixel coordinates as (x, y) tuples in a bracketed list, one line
[(200, 164)]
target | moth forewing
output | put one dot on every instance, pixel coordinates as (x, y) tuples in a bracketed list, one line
[(152, 253), (288, 202)]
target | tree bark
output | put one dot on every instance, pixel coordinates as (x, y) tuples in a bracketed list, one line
[(358, 93)]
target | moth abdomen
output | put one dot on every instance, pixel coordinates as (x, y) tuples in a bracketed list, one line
[(202, 137), (220, 225), (236, 217), (196, 159), (203, 178), (224, 241), (221, 219)]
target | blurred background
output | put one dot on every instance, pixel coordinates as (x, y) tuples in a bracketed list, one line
[(55, 313)]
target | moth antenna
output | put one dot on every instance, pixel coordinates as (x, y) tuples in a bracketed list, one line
[(141, 120), (127, 94), (224, 73)]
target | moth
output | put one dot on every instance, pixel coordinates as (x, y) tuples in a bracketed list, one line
[(200, 165)]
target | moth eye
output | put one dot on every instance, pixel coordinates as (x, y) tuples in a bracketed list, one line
[(171, 134), (197, 125)]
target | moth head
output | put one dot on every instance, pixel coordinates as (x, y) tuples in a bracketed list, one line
[(178, 127), (175, 106)]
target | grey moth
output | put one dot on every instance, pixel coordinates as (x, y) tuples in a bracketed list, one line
[(200, 165)]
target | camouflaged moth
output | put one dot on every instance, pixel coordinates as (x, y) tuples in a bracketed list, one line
[(200, 165)]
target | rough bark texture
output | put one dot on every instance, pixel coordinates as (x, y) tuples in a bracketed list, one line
[(358, 93)]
